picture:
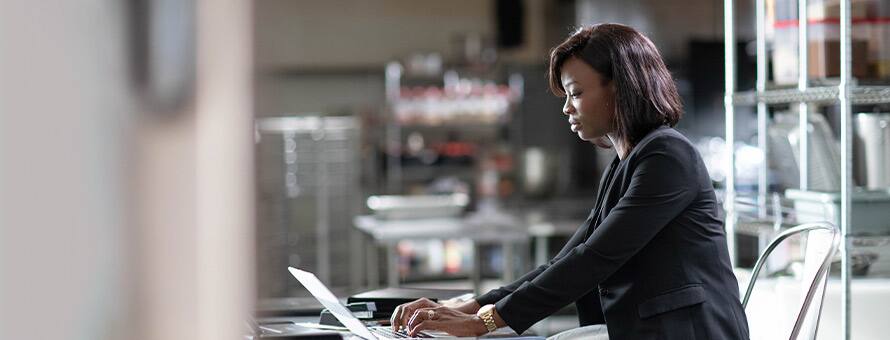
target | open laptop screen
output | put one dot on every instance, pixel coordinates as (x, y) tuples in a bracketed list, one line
[(330, 301)]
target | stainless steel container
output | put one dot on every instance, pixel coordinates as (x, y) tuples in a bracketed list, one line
[(868, 209), (872, 145)]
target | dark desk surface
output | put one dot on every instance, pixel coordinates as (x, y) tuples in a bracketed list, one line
[(289, 306), (503, 333), (292, 328)]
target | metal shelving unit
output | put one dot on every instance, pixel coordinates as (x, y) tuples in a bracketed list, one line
[(307, 195), (482, 130), (460, 113), (845, 93), (815, 95)]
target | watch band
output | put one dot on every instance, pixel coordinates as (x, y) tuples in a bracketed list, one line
[(487, 316)]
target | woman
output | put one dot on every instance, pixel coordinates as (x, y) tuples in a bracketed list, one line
[(651, 260)]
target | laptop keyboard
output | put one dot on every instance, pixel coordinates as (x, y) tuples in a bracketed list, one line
[(387, 332)]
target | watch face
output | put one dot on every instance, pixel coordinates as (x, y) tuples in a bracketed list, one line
[(486, 313), (485, 309)]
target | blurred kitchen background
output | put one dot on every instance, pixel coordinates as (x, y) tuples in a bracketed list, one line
[(359, 99), (164, 161), (396, 137)]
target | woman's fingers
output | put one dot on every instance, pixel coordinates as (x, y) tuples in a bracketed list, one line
[(404, 312), (419, 315), (444, 319), (407, 312), (396, 317), (412, 320), (425, 324)]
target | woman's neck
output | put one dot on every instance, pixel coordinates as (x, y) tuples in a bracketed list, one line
[(618, 143)]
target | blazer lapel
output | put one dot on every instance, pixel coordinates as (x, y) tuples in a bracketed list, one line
[(608, 201), (602, 194)]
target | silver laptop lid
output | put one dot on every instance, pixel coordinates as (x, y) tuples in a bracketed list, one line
[(330, 301)]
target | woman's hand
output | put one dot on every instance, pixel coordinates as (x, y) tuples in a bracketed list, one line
[(469, 307), (403, 312), (449, 320)]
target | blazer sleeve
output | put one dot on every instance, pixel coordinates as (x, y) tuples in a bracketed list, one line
[(663, 183), (496, 295)]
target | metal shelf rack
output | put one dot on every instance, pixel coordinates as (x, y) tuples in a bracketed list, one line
[(307, 195), (846, 93), (816, 95), (479, 128)]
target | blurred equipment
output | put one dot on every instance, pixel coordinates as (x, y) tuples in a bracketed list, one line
[(871, 254), (445, 125), (478, 229), (307, 194), (824, 152), (868, 40), (872, 150), (538, 169), (418, 206), (868, 209)]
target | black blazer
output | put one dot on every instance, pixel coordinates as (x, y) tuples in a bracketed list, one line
[(651, 260)]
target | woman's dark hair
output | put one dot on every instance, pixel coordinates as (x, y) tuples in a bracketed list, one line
[(645, 94)]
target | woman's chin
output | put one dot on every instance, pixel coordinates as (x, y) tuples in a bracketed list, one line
[(585, 136), (600, 141)]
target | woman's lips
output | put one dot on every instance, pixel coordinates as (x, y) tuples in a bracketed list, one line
[(576, 127)]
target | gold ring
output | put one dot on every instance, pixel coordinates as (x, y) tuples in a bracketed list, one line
[(430, 314)]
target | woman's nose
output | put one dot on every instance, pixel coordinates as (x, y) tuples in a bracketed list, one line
[(567, 108)]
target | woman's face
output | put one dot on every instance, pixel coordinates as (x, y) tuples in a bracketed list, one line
[(590, 101)]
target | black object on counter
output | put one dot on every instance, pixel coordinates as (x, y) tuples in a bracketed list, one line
[(361, 310), (387, 299)]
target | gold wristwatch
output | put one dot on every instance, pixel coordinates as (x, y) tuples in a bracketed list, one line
[(486, 313)]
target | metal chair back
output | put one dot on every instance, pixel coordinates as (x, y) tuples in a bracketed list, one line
[(815, 281)]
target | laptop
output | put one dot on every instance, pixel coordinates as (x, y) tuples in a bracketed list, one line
[(330, 301)]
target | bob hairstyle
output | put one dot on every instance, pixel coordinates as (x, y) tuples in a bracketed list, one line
[(645, 94)]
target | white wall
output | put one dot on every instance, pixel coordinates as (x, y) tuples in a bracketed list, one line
[(117, 222), (64, 111), (282, 94), (361, 33), (328, 56), (669, 24)]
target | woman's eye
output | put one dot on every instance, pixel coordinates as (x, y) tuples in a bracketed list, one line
[(575, 95)]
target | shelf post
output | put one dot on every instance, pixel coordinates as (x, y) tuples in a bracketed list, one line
[(729, 86), (846, 162), (762, 118), (802, 84)]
